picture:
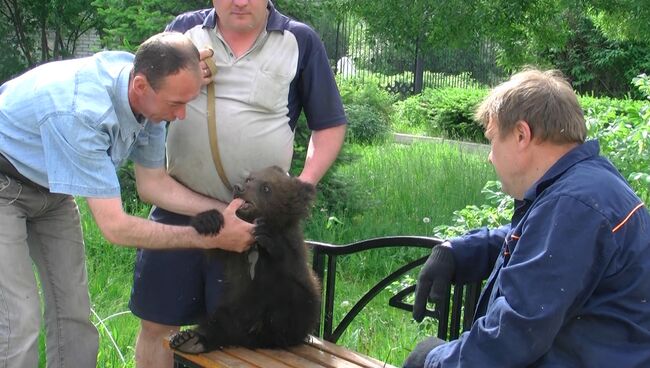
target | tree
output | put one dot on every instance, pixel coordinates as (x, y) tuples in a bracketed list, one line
[(622, 19), (127, 23), (44, 30)]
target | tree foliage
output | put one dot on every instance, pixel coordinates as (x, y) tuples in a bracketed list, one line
[(622, 19), (599, 34), (126, 23), (600, 44), (35, 31)]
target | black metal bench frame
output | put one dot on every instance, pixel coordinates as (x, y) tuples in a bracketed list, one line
[(461, 300)]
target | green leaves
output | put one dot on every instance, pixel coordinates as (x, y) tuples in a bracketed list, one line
[(126, 23), (623, 127)]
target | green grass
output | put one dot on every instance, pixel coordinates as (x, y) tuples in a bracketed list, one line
[(398, 190)]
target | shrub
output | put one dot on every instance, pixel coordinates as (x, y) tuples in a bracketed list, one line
[(495, 212), (445, 112), (366, 91), (368, 108), (367, 125), (623, 127)]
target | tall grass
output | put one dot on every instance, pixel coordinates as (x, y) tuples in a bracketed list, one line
[(400, 189)]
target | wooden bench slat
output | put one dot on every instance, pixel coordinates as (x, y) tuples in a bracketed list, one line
[(290, 358), (324, 358), (255, 357), (216, 359), (358, 358)]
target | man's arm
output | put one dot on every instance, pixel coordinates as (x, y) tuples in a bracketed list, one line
[(552, 269), (476, 252), (155, 186), (324, 146), (122, 229)]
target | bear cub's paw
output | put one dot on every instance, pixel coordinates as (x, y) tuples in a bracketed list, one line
[(208, 222), (188, 341)]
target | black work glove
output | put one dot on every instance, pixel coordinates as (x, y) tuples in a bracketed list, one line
[(434, 280), (418, 356)]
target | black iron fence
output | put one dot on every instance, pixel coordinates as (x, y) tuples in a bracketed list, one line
[(405, 70)]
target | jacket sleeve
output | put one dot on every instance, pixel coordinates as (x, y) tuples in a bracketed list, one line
[(554, 266), (476, 252)]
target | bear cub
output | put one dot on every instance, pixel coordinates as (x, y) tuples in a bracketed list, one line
[(272, 298)]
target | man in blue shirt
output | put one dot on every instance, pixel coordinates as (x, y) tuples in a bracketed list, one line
[(569, 277), (64, 128)]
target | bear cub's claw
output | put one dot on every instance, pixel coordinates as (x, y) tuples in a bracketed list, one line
[(188, 341)]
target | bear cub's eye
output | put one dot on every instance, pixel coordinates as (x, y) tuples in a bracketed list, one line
[(266, 188)]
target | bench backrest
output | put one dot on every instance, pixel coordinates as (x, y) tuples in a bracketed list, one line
[(454, 315)]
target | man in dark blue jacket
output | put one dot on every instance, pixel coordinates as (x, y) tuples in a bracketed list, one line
[(570, 275)]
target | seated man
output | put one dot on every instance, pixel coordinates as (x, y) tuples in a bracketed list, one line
[(570, 275)]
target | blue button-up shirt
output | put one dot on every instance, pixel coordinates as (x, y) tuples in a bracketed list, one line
[(570, 279), (68, 125)]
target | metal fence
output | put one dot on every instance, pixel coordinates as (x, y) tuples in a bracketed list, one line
[(406, 70)]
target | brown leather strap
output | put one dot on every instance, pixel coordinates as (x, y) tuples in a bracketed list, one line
[(212, 126)]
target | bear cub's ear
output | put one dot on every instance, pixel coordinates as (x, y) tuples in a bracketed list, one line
[(305, 195), (307, 192), (207, 223)]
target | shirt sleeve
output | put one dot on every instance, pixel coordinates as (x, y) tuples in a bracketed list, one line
[(317, 88), (149, 149), (76, 158), (553, 268), (476, 252)]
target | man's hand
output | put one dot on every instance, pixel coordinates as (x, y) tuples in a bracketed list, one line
[(206, 74), (418, 356), (236, 234), (434, 279)]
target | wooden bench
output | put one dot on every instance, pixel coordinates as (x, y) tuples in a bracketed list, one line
[(454, 315), (316, 353)]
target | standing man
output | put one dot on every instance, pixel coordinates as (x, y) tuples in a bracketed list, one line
[(64, 128), (569, 284), (269, 68)]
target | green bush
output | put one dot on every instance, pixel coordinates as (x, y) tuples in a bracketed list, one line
[(623, 127), (366, 91), (444, 112), (367, 125), (368, 108)]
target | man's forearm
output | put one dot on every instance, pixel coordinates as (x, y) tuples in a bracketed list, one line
[(324, 147), (156, 187), (126, 230)]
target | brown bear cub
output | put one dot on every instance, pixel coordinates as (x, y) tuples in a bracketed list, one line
[(272, 298)]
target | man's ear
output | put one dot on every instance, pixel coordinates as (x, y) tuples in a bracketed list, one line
[(140, 84), (523, 133)]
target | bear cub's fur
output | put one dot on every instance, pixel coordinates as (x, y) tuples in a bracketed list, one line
[(273, 297)]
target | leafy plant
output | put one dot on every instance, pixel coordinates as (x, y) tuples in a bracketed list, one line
[(445, 112), (366, 124), (126, 23), (623, 130), (496, 211)]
